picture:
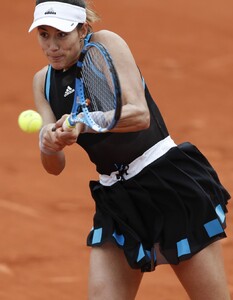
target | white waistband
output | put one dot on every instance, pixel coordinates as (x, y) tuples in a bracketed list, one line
[(137, 165)]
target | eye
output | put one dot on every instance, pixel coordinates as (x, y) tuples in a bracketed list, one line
[(62, 34), (43, 34)]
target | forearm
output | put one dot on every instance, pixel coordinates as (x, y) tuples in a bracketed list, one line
[(53, 159), (133, 118)]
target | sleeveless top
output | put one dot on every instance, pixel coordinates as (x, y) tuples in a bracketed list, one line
[(108, 150)]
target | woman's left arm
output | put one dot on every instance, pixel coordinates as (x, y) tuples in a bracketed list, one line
[(135, 114)]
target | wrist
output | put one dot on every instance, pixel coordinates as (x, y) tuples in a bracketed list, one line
[(44, 149)]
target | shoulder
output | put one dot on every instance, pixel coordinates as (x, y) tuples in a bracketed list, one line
[(108, 38), (105, 33), (39, 80), (39, 76), (115, 44)]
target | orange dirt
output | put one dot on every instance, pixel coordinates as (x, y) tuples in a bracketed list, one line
[(45, 219)]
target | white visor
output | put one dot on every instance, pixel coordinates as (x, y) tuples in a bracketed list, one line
[(63, 16)]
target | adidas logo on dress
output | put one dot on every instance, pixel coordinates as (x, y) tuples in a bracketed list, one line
[(68, 91)]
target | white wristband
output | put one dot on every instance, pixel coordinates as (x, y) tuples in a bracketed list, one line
[(100, 118)]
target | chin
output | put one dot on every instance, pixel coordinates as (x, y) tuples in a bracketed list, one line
[(57, 67)]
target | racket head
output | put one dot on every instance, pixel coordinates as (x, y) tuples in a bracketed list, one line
[(98, 90)]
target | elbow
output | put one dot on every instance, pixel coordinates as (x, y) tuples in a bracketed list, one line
[(52, 167), (54, 172), (144, 122)]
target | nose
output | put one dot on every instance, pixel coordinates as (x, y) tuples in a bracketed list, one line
[(53, 44)]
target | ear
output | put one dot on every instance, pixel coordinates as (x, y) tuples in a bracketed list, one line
[(84, 30)]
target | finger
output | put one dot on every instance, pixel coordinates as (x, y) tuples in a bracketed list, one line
[(59, 123)]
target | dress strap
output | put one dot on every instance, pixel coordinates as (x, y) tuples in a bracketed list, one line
[(87, 38), (47, 83)]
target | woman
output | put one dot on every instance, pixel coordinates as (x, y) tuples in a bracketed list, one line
[(156, 202)]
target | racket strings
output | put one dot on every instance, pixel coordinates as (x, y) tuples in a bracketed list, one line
[(99, 87)]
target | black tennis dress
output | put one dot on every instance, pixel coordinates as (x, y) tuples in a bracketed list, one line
[(158, 201)]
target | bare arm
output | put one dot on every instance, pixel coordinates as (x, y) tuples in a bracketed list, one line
[(135, 114), (51, 143)]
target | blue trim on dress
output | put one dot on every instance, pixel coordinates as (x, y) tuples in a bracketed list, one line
[(183, 247), (220, 213), (213, 228), (97, 236), (48, 82), (141, 253), (143, 83), (119, 238)]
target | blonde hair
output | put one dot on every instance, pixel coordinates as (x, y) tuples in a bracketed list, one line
[(92, 16)]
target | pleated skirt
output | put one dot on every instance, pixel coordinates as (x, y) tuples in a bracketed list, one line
[(172, 209)]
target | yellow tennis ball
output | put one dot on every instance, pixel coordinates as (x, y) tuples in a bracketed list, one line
[(30, 121)]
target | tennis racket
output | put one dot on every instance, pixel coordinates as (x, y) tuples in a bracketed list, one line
[(97, 98)]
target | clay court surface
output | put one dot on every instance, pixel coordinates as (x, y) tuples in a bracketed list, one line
[(185, 52)]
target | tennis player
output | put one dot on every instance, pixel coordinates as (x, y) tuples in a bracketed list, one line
[(156, 202)]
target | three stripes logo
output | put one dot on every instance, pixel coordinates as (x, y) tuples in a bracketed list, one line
[(68, 91), (50, 12)]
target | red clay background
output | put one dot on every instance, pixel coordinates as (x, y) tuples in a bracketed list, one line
[(185, 52)]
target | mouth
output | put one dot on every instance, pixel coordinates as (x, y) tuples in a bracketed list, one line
[(57, 58)]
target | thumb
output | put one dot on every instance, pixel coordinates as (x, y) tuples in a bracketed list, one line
[(59, 123)]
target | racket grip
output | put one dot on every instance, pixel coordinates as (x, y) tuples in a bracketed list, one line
[(69, 124)]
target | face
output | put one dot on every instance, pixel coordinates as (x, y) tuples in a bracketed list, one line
[(61, 48)]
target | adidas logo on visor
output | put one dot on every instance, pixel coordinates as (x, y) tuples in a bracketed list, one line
[(50, 12)]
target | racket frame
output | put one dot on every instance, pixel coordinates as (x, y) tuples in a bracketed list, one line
[(80, 112)]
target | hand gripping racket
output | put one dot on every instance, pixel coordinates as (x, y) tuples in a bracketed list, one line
[(97, 98)]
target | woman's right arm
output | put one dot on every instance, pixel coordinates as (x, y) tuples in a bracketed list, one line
[(52, 155)]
